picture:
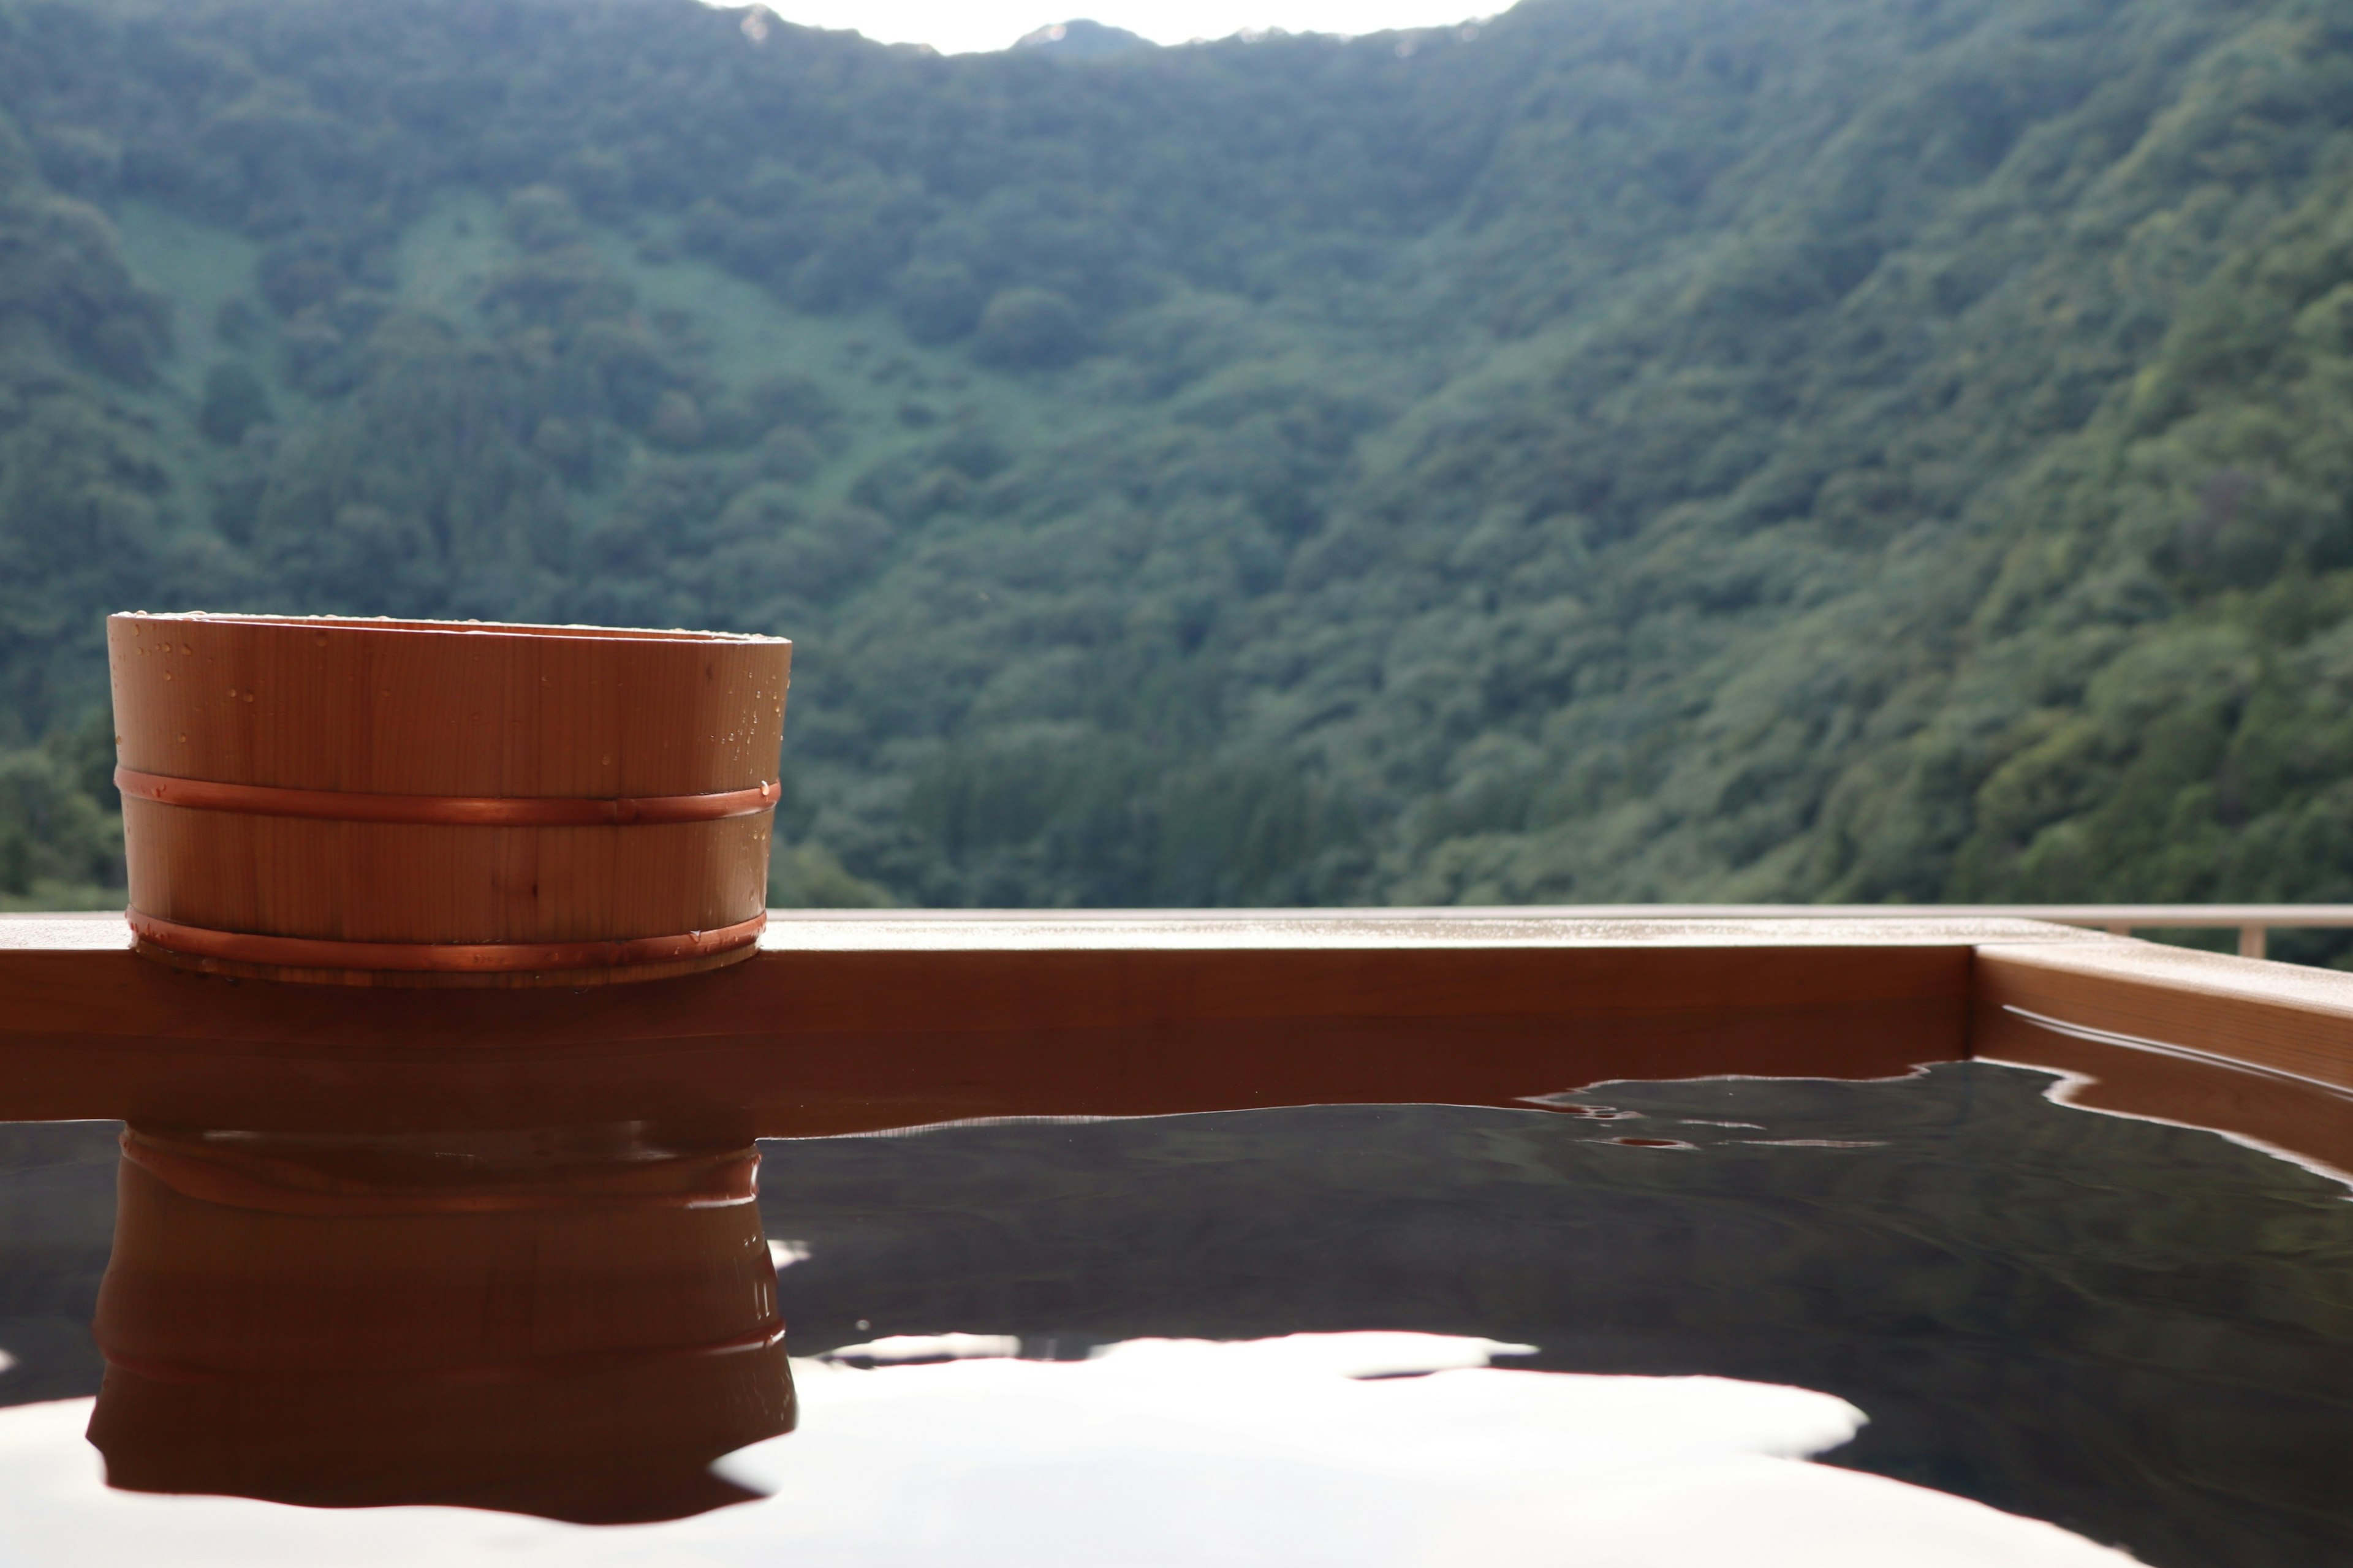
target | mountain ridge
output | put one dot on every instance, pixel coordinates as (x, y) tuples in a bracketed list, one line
[(1080, 40)]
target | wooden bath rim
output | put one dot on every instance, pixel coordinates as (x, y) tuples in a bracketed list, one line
[(853, 1022)]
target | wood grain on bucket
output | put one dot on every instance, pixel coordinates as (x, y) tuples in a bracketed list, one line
[(463, 802)]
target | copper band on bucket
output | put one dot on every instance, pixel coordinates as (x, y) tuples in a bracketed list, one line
[(441, 957), (448, 811)]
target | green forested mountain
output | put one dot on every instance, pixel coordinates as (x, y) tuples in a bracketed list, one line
[(1806, 449)]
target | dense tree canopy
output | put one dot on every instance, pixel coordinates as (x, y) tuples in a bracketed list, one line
[(1853, 449)]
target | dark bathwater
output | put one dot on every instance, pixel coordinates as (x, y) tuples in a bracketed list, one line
[(2138, 1332)]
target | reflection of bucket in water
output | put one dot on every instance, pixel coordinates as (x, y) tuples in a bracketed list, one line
[(356, 1326)]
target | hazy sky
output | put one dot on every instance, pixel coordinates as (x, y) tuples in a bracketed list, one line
[(954, 26)]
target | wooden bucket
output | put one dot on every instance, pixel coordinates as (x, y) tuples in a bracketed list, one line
[(423, 803)]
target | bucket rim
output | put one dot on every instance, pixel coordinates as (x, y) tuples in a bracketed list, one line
[(520, 630)]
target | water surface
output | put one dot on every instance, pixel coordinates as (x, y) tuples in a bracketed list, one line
[(2139, 1333)]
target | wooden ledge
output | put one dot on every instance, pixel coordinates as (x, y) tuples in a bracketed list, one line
[(848, 1021), (870, 974), (999, 930), (2277, 1016)]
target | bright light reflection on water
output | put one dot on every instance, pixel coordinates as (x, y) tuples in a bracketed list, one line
[(1351, 1449)]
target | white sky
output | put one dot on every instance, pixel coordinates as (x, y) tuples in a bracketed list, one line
[(957, 26)]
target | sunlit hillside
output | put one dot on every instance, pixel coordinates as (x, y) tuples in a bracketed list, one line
[(1777, 450)]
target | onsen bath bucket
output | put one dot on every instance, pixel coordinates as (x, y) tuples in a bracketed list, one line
[(375, 801)]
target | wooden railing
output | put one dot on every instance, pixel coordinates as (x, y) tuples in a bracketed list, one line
[(2253, 922)]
